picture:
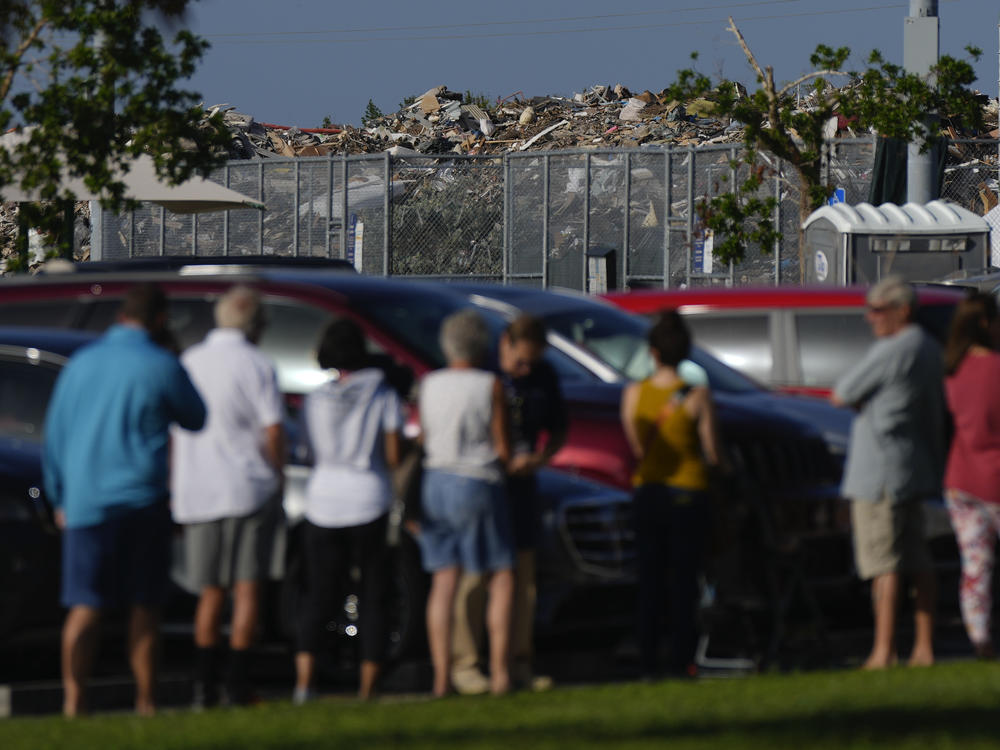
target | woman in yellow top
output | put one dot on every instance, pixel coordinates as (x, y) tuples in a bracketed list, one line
[(671, 429)]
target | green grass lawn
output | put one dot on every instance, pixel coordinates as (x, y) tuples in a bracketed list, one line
[(948, 706)]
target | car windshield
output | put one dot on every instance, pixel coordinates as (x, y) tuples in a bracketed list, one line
[(619, 339)]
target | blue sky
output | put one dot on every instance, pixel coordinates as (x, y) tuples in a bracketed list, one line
[(293, 62)]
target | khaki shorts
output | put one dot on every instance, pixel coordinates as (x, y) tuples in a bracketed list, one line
[(222, 552), (889, 537)]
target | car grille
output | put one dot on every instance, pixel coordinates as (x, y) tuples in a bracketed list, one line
[(783, 463), (599, 536)]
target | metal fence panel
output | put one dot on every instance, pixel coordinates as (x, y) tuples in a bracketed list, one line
[(447, 217), (525, 235), (526, 218)]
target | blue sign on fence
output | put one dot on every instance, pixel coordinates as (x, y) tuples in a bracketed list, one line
[(839, 196)]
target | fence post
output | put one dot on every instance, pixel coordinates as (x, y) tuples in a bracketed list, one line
[(627, 230), (668, 187), (194, 234), (260, 214), (545, 221), (386, 218), (225, 217), (586, 219), (163, 231), (777, 224), (296, 196), (131, 233), (507, 190), (343, 206), (733, 177), (690, 206)]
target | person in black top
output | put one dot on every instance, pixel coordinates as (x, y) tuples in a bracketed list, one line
[(538, 424)]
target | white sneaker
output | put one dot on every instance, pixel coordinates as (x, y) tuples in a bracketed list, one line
[(470, 682)]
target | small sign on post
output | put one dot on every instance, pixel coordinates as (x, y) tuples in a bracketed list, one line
[(355, 242), (839, 196), (703, 247)]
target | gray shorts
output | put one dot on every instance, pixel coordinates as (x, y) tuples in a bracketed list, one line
[(227, 550), (889, 537)]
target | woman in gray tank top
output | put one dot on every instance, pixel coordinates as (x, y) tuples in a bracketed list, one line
[(466, 523)]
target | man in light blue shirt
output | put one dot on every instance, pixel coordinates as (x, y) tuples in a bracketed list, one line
[(896, 460), (105, 471)]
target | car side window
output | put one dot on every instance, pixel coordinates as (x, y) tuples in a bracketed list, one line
[(829, 343), (60, 313), (25, 390), (741, 341), (189, 319), (290, 339)]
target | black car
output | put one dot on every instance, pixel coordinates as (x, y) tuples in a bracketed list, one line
[(30, 360)]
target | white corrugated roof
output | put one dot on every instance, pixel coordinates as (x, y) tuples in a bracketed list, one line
[(936, 217)]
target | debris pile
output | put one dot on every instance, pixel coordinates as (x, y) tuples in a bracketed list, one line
[(441, 121)]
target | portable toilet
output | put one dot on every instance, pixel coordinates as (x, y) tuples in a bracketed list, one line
[(863, 243)]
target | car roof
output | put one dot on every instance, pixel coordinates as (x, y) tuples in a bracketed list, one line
[(179, 262), (651, 300), (532, 300)]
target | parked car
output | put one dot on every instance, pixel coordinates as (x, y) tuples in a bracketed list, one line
[(30, 360), (797, 339)]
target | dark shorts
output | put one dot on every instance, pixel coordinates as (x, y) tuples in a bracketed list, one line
[(122, 561), (466, 524)]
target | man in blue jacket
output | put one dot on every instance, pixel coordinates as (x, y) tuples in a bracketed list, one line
[(105, 466)]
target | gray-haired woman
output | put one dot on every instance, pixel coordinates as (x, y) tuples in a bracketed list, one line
[(466, 524)]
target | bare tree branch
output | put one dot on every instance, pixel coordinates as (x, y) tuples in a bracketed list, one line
[(746, 49), (22, 49)]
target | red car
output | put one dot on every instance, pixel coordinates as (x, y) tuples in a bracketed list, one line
[(796, 339)]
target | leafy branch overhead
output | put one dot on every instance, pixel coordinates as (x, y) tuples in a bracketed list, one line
[(882, 98), (98, 82)]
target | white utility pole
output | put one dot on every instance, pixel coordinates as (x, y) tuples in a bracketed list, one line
[(920, 53)]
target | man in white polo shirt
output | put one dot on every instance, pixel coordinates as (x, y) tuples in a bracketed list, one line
[(226, 486)]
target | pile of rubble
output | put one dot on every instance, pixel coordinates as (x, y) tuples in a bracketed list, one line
[(438, 122), (443, 122)]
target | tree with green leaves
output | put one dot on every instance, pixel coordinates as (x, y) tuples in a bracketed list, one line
[(883, 97), (372, 114), (96, 83)]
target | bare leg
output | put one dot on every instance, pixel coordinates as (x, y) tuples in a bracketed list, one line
[(246, 605), (885, 597), (923, 620), (142, 644), (439, 612), (208, 616), (498, 616), (369, 678), (305, 669), (79, 643)]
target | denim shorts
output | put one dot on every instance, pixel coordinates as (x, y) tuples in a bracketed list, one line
[(465, 524), (122, 561)]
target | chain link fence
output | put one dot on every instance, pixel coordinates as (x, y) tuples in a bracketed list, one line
[(580, 219)]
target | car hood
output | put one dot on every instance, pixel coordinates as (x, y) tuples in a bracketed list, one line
[(757, 413)]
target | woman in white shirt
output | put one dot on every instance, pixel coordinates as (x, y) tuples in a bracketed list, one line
[(466, 523), (352, 425)]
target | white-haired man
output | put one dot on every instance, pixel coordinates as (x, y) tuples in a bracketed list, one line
[(896, 460), (226, 483)]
